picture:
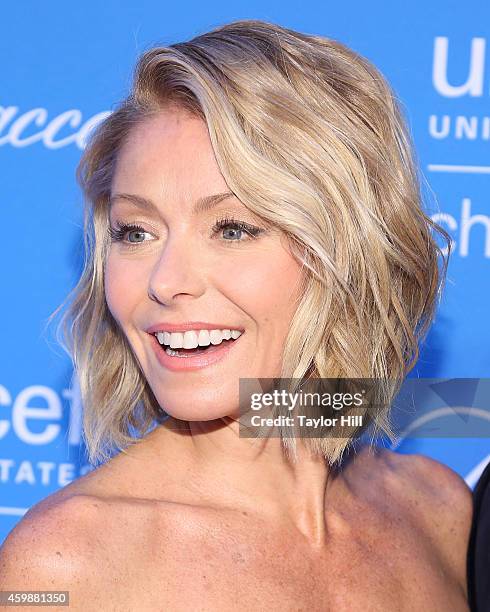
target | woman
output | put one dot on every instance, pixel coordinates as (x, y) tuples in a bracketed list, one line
[(253, 211)]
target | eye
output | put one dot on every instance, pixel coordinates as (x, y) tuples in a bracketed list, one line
[(233, 230), (118, 234)]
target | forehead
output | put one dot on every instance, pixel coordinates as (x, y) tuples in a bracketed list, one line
[(166, 155)]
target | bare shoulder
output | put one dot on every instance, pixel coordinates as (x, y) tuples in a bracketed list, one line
[(60, 520), (64, 519), (429, 482), (60, 541), (415, 476), (442, 498), (67, 540), (421, 494), (415, 484), (50, 548)]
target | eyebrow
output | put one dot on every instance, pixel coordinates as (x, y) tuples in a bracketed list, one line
[(201, 205)]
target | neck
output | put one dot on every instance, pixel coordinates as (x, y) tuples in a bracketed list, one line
[(210, 464)]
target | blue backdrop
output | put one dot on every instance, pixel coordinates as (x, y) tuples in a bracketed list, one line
[(63, 67)]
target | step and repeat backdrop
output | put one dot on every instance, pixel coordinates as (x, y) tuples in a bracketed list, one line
[(64, 66)]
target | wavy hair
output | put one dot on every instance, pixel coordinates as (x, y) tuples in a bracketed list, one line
[(309, 136)]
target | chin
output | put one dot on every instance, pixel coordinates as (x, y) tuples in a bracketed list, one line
[(197, 410)]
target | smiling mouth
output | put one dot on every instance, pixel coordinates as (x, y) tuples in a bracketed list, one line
[(195, 342), (182, 352)]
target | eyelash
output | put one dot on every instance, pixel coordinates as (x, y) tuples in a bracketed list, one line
[(252, 230), (118, 234)]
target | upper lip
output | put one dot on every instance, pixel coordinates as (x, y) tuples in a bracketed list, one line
[(182, 327)]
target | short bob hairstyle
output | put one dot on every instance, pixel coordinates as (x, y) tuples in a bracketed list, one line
[(309, 136)]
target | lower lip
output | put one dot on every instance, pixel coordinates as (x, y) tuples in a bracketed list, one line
[(192, 362)]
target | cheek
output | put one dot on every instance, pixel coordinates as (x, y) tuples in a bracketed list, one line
[(121, 287), (266, 285)]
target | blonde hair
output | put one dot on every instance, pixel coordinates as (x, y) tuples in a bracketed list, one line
[(309, 136)]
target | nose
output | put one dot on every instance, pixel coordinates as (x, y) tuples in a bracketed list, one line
[(176, 273)]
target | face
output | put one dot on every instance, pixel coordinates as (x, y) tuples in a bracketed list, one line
[(181, 262)]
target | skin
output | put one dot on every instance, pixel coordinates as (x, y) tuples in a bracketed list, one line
[(193, 516), (193, 273)]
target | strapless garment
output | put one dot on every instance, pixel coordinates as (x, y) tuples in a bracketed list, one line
[(479, 547)]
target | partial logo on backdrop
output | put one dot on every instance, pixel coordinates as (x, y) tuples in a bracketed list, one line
[(459, 126), (22, 128), (461, 117), (40, 444)]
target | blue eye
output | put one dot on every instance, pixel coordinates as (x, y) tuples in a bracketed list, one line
[(234, 229), (118, 234)]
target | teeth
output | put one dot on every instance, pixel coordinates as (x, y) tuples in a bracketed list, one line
[(204, 338), (176, 340), (194, 338), (215, 336), (190, 339)]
